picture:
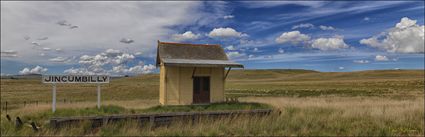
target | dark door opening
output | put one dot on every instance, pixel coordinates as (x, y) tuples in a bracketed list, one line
[(201, 90)]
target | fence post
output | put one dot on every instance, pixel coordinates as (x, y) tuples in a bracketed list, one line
[(18, 123), (25, 103)]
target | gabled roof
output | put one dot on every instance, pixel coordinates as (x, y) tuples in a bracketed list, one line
[(198, 55)]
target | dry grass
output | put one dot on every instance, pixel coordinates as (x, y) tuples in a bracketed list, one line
[(351, 106), (366, 103)]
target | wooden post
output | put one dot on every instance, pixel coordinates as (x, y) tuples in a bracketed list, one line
[(18, 122), (34, 127), (227, 73), (8, 117)]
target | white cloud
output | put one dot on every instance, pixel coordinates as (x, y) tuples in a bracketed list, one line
[(124, 58), (326, 27), (366, 18), (326, 44), (235, 54), (405, 23), (281, 51), (293, 37), (188, 35), (138, 69), (228, 17), (35, 43), (58, 59), (35, 70), (341, 68), (142, 21), (267, 4), (361, 61), (43, 38), (138, 53), (9, 53), (255, 50), (305, 25), (46, 49), (112, 52), (61, 60), (231, 47), (225, 32), (381, 58), (405, 37), (268, 57), (110, 61)]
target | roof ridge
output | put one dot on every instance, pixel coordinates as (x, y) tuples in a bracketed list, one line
[(188, 44)]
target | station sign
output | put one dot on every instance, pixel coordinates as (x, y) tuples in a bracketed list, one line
[(75, 79)]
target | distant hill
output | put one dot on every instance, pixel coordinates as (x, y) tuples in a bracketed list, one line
[(299, 74), (27, 76), (288, 74)]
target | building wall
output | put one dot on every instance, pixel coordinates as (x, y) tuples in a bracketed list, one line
[(217, 85), (162, 84), (186, 85), (172, 85), (178, 83)]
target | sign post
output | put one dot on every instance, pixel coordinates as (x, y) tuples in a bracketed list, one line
[(73, 79), (54, 98), (98, 96)]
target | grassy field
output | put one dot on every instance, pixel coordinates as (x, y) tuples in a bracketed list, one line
[(381, 102)]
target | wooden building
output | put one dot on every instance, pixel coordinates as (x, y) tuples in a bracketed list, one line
[(192, 73)]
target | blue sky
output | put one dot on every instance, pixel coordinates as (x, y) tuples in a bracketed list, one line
[(120, 37)]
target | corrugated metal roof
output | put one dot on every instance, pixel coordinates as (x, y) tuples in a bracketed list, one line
[(193, 55), (201, 63)]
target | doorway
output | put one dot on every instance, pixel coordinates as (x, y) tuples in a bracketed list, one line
[(201, 90)]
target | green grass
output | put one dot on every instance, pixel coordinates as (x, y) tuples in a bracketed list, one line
[(210, 107)]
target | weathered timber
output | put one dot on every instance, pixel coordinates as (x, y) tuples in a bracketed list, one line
[(34, 127), (152, 119), (8, 117), (18, 123)]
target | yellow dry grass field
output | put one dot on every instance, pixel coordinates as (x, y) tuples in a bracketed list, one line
[(381, 102)]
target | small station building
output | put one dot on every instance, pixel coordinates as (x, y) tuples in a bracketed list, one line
[(192, 73)]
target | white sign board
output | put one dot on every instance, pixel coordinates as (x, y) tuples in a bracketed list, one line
[(97, 79), (75, 79)]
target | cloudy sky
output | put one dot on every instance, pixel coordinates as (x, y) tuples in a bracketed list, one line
[(120, 38)]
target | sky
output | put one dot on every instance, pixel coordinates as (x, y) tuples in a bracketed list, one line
[(120, 38)]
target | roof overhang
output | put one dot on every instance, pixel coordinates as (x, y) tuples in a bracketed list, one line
[(201, 63)]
